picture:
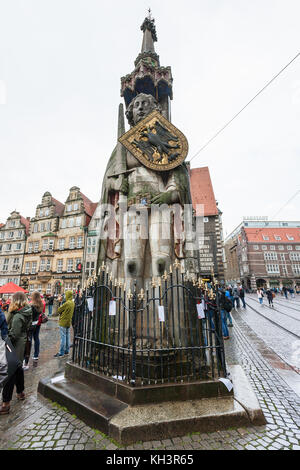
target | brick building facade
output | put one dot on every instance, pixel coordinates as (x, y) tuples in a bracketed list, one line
[(267, 253)]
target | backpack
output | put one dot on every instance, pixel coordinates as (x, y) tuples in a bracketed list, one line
[(227, 304)]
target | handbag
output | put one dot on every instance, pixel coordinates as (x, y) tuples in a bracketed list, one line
[(3, 363), (43, 318)]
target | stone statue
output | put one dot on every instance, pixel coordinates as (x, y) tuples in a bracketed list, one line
[(143, 239)]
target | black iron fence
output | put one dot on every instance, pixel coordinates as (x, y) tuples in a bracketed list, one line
[(170, 332)]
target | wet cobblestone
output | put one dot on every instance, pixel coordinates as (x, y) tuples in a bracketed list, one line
[(43, 425)]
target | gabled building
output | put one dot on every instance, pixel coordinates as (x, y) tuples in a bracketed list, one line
[(71, 241), (40, 245), (13, 236), (211, 255)]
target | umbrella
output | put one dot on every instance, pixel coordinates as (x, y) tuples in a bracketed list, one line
[(11, 288)]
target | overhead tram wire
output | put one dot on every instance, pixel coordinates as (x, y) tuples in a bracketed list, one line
[(244, 107)]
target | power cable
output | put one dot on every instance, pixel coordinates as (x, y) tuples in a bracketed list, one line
[(244, 107)]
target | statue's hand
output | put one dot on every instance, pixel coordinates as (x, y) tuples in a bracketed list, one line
[(165, 198), (124, 186)]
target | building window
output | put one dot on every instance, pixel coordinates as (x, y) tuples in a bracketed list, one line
[(16, 264), (48, 289), (61, 244), (48, 265), (270, 256), (8, 247), (5, 264), (71, 222), (295, 256), (42, 227), (30, 245), (281, 247), (264, 247), (76, 206), (27, 267), (91, 245), (78, 260), (284, 270), (277, 237), (33, 267), (63, 223), (78, 221), (273, 268), (272, 247), (296, 268), (72, 243), (18, 246), (255, 247), (289, 237), (47, 211), (51, 245), (36, 247), (297, 247), (69, 207), (289, 247), (45, 244), (70, 265), (59, 265), (265, 237), (11, 234), (35, 228), (79, 242), (42, 264), (49, 226), (282, 256)]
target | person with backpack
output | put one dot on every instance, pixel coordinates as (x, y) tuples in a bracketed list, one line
[(242, 296), (37, 306), (19, 321), (228, 307), (269, 294), (236, 297)]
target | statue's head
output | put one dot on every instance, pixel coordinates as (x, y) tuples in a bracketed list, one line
[(140, 107)]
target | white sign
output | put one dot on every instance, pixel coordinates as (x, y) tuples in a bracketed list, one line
[(161, 313), (200, 310), (112, 307), (90, 302)]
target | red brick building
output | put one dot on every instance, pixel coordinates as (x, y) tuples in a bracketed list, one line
[(267, 254)]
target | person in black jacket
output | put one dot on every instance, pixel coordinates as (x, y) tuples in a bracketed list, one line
[(34, 332)]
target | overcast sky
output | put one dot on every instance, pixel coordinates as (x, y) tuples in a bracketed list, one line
[(60, 68)]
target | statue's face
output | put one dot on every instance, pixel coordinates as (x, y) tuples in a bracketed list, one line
[(141, 108)]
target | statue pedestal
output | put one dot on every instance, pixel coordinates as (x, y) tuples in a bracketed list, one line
[(130, 414)]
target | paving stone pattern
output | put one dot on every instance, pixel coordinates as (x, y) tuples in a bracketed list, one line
[(38, 424)]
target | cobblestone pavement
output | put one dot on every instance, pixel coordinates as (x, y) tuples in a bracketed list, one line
[(38, 424)]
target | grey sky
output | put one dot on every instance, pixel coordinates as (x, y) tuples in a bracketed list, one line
[(60, 68)]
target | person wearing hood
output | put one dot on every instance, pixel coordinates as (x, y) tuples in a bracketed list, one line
[(65, 312), (19, 320)]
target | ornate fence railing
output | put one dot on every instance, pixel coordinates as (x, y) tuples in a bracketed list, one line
[(170, 332)]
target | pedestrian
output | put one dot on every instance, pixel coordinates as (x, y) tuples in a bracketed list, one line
[(37, 306), (260, 295), (3, 324), (65, 312), (228, 307), (223, 312), (285, 292), (50, 305), (236, 297), (19, 320), (242, 296), (270, 297)]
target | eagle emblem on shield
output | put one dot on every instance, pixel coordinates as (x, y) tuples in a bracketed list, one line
[(156, 143)]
